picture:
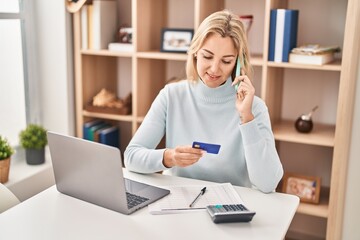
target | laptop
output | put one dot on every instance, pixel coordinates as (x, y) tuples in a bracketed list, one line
[(93, 172)]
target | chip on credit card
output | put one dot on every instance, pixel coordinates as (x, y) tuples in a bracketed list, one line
[(209, 148)]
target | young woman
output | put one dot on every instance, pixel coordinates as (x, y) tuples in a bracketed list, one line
[(207, 107)]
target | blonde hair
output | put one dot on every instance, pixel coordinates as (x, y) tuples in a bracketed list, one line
[(226, 24)]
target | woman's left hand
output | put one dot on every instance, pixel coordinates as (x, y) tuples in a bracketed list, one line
[(245, 97)]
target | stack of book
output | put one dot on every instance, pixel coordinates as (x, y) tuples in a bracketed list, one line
[(283, 33), (313, 54), (101, 132)]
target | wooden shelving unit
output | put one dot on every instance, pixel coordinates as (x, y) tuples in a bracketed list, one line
[(149, 71)]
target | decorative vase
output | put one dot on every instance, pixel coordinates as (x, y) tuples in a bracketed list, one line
[(304, 123), (247, 20), (4, 170), (35, 156)]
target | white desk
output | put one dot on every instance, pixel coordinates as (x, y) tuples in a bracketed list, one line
[(27, 180), (52, 215)]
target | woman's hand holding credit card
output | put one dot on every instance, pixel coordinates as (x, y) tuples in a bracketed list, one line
[(182, 156)]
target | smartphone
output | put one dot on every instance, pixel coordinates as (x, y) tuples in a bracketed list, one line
[(237, 73)]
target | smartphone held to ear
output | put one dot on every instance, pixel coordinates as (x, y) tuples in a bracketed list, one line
[(237, 73)]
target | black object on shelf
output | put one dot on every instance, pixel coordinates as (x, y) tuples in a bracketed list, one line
[(304, 123)]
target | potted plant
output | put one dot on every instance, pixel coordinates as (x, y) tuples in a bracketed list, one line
[(33, 139), (5, 154)]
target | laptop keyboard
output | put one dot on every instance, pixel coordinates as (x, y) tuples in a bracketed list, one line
[(134, 200)]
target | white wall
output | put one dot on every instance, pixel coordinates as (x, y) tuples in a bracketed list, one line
[(12, 96), (351, 228), (53, 31)]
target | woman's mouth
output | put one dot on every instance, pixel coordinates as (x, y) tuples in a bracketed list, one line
[(213, 77)]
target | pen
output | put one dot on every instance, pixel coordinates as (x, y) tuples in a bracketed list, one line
[(198, 196)]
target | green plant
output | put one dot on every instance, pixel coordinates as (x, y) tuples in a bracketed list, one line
[(34, 137), (5, 149)]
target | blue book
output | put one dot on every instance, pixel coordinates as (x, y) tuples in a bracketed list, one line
[(95, 128), (272, 35), (290, 33), (110, 136), (87, 126)]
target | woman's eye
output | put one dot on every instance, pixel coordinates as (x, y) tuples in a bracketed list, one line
[(226, 61), (207, 57)]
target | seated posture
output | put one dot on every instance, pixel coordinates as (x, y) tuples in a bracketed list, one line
[(215, 104)]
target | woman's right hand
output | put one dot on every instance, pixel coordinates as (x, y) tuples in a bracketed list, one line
[(182, 156)]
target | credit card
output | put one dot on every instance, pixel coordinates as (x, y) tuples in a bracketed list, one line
[(209, 148)]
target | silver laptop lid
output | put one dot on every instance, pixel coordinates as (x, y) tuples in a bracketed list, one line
[(88, 171)]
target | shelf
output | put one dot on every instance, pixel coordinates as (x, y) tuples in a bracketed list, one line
[(257, 60), (106, 52), (162, 55), (322, 134), (334, 66), (140, 119), (125, 118), (318, 210)]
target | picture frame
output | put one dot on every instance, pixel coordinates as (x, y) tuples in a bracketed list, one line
[(307, 188), (176, 40)]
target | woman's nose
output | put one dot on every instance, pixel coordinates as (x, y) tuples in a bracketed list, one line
[(214, 66)]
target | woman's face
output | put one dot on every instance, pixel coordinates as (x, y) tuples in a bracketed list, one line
[(216, 60)]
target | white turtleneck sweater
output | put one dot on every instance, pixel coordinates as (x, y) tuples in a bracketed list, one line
[(190, 111)]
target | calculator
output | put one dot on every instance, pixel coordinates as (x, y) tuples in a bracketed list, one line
[(230, 213)]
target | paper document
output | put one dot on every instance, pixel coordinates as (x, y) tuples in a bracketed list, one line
[(180, 198)]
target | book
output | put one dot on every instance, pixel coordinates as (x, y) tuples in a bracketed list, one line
[(272, 35), (104, 23), (179, 199), (283, 34), (279, 34), (90, 38), (315, 49), (122, 47), (315, 59), (110, 136), (84, 27), (96, 134), (93, 129), (87, 126), (290, 33)]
